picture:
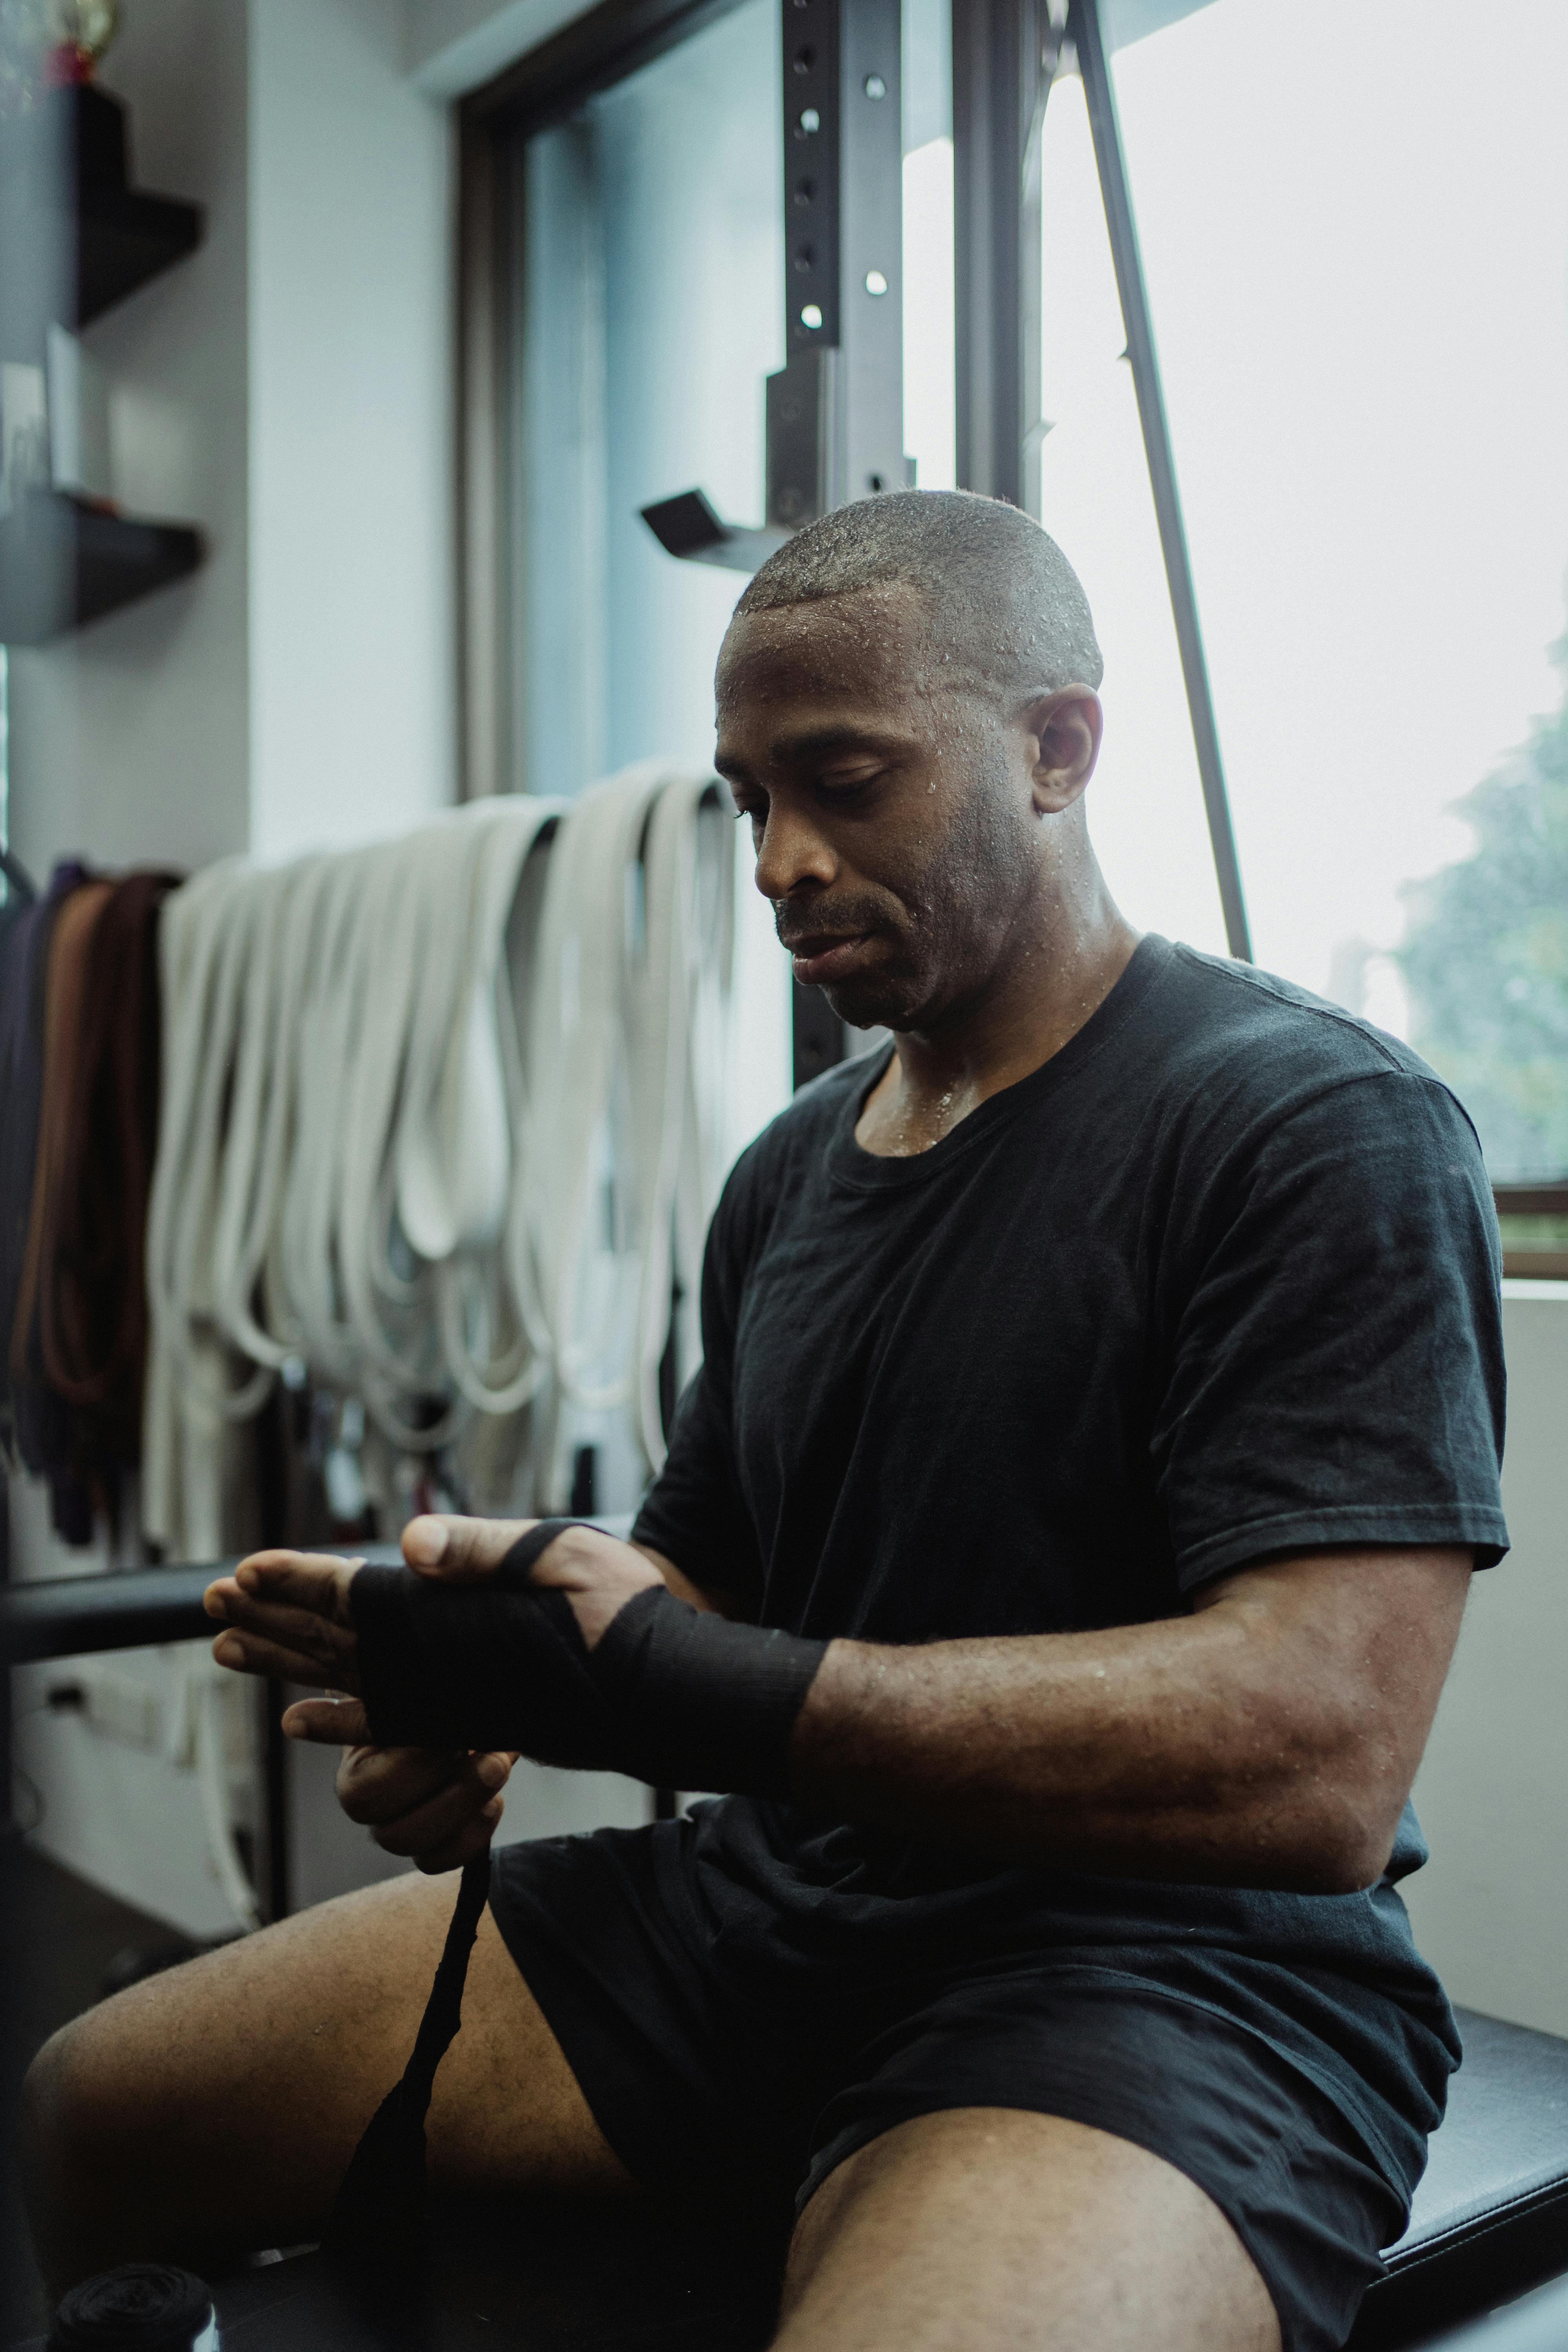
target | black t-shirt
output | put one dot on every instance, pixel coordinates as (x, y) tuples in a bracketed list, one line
[(1218, 1280)]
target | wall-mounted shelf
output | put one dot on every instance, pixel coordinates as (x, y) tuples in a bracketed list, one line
[(76, 237), (65, 168), (124, 235), (66, 561)]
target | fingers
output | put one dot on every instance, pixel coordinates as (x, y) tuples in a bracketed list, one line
[(317, 1581), (376, 1785), (433, 1827), (292, 1640), (460, 1550), (332, 1722), (462, 1849), (435, 1809), (252, 1653)]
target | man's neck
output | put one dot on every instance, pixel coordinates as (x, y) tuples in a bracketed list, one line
[(1051, 982)]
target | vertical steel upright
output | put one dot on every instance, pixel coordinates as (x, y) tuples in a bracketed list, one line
[(835, 412), (835, 425), (1004, 55)]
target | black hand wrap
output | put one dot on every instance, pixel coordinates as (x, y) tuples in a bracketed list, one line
[(671, 1695)]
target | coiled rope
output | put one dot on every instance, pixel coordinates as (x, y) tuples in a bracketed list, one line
[(439, 1122)]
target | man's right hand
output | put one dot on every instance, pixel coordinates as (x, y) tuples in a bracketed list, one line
[(438, 1810)]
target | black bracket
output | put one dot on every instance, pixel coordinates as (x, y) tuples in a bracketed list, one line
[(687, 525), (834, 410)]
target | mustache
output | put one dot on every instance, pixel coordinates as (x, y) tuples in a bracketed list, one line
[(841, 919)]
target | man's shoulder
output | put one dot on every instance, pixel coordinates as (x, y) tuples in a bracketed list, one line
[(1231, 1035)]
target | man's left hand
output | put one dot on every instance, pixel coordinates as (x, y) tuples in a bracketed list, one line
[(286, 1613)]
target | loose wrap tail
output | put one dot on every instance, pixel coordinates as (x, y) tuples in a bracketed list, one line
[(672, 1695)]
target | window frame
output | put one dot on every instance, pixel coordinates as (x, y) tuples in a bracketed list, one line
[(1533, 1201)]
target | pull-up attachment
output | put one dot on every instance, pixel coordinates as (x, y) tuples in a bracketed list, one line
[(687, 525), (836, 408)]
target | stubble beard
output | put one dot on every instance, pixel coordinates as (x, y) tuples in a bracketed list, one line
[(949, 926)]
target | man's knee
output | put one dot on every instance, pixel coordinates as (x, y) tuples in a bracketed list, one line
[(999, 2226), (42, 2119), (75, 2129), (68, 2106)]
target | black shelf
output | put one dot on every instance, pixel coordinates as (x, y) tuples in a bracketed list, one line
[(124, 235), (124, 239), (76, 237), (64, 181), (66, 561)]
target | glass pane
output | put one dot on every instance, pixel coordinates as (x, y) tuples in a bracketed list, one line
[(1145, 805), (1356, 263), (652, 304), (929, 382), (651, 245)]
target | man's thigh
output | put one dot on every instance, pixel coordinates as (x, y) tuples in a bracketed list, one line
[(216, 2107), (994, 2229)]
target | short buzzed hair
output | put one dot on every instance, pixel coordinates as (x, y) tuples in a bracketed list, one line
[(1007, 604)]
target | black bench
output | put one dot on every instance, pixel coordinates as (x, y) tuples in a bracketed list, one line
[(1491, 2215), (1489, 2221)]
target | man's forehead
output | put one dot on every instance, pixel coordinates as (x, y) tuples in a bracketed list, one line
[(871, 627), (879, 635)]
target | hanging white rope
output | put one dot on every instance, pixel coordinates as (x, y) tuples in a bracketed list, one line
[(439, 1120)]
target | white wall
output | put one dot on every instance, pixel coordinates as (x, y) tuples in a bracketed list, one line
[(1490, 1909), (452, 46), (350, 501), (130, 738), (287, 389)]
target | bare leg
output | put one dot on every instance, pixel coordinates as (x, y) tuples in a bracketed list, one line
[(214, 2109), (989, 2229)]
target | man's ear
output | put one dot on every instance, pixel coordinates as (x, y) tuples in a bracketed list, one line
[(1064, 729)]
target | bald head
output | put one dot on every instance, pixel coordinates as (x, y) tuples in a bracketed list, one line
[(1007, 611)]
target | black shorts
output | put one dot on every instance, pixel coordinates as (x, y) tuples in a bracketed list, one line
[(739, 2095)]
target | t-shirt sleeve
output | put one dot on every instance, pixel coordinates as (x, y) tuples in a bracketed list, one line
[(695, 1513), (1335, 1368)]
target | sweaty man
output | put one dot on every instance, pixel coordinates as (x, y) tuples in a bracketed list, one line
[(1099, 1424)]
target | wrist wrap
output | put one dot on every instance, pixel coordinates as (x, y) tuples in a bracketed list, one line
[(669, 1694)]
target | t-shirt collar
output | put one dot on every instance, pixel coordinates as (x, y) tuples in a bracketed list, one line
[(863, 1171)]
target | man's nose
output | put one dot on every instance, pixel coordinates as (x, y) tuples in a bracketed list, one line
[(792, 851)]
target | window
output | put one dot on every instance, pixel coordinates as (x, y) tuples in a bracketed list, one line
[(1357, 262), (1146, 811), (648, 250)]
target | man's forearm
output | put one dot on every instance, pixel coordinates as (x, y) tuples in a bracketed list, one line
[(1268, 1739), (1221, 1748)]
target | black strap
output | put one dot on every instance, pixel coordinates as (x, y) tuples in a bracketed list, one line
[(379, 2218), (379, 2221)]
